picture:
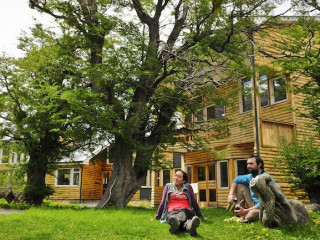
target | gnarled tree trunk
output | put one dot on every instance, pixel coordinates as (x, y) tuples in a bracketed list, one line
[(275, 209), (126, 178)]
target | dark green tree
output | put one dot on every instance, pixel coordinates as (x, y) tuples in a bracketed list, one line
[(140, 61), (39, 112)]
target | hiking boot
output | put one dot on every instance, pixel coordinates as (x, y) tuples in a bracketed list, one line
[(192, 226), (174, 225)]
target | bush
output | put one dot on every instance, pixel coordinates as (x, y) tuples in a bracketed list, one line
[(302, 161)]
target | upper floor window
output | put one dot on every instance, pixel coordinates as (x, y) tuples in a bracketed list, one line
[(212, 112), (246, 95), (278, 90), (263, 90), (4, 156), (209, 112), (68, 177), (198, 115), (272, 91)]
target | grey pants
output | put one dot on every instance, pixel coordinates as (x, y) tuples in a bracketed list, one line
[(243, 194), (183, 215)]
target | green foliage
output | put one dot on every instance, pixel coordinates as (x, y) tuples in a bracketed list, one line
[(13, 178), (34, 194), (302, 163), (300, 43), (120, 78)]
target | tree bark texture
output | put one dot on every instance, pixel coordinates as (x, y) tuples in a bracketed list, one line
[(125, 179), (275, 209)]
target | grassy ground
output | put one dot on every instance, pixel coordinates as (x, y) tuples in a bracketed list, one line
[(72, 222)]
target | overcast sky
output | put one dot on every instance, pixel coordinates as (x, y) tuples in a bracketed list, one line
[(15, 17)]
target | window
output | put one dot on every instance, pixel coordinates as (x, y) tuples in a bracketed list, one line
[(176, 160), (246, 96), (4, 156), (189, 173), (272, 91), (278, 90), (241, 167), (263, 90), (223, 174), (68, 177), (166, 176), (63, 177), (212, 195), (23, 158), (212, 112), (158, 179), (76, 175), (201, 174), (212, 172), (203, 195), (198, 116), (148, 179)]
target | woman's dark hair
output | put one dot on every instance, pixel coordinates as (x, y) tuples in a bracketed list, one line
[(258, 160), (185, 176)]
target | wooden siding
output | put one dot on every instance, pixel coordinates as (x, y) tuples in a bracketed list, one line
[(92, 183), (274, 121), (272, 133), (63, 192), (156, 196)]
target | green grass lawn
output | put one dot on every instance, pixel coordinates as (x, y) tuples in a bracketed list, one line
[(52, 222)]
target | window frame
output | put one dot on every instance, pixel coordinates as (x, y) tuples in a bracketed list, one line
[(267, 90), (272, 92), (236, 165), (4, 155), (241, 95), (219, 174), (196, 117), (72, 172), (205, 112)]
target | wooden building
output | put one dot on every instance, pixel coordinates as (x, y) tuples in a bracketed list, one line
[(258, 119), (79, 181)]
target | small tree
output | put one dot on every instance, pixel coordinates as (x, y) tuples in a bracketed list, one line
[(302, 161)]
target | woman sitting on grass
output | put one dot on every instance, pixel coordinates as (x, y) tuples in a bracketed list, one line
[(179, 206)]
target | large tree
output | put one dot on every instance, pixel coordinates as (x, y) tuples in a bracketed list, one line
[(39, 112), (145, 59)]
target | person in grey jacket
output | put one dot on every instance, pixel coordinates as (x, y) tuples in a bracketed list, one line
[(179, 207)]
